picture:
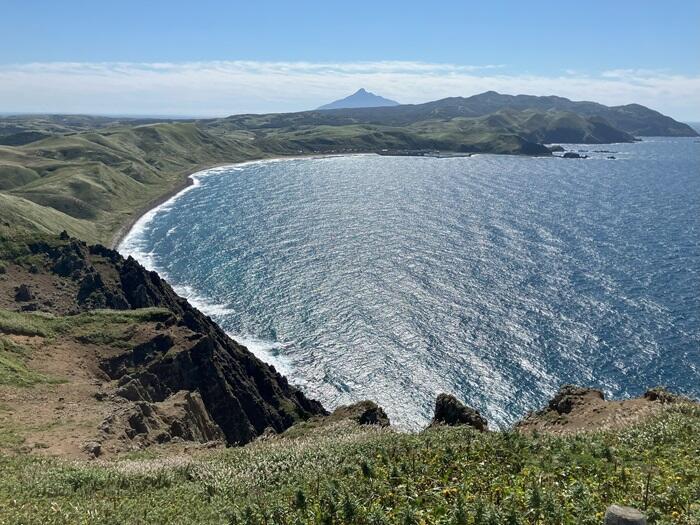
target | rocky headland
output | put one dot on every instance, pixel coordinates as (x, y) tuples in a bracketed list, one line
[(123, 402), (137, 365)]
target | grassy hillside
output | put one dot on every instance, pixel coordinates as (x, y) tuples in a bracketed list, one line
[(22, 129), (349, 474), (633, 119), (508, 129), (91, 183), (19, 215), (93, 175)]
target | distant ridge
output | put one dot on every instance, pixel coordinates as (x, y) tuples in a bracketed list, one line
[(360, 99), (45, 160), (634, 119)]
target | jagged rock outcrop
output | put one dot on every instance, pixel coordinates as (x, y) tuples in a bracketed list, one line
[(618, 515), (362, 412), (242, 395), (570, 396), (183, 416), (450, 411), (579, 409), (662, 395), (93, 449), (24, 293), (366, 413)]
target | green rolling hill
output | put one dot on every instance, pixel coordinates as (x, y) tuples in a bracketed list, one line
[(92, 176), (634, 119)]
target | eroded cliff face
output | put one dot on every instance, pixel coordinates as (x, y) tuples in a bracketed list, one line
[(183, 377), (138, 366)]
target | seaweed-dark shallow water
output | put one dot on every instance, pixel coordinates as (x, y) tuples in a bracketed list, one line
[(492, 277)]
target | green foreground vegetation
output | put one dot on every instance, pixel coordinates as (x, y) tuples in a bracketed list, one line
[(92, 324), (349, 474)]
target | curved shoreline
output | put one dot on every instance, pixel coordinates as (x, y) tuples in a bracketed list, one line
[(247, 178), (261, 349), (125, 229)]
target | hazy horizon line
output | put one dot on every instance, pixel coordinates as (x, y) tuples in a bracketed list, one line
[(211, 89)]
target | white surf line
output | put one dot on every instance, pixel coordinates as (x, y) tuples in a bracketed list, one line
[(133, 244)]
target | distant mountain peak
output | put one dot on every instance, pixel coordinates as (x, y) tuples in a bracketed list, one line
[(360, 99)]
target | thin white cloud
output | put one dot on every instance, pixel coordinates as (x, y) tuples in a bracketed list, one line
[(218, 88)]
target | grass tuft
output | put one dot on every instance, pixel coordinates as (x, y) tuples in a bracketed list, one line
[(13, 367), (345, 474)]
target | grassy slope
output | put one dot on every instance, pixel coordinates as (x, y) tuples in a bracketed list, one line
[(18, 215), (95, 324), (345, 474), (37, 125), (91, 176), (13, 365), (92, 183)]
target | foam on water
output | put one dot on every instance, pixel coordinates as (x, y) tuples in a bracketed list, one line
[(495, 278), (135, 244), (269, 351)]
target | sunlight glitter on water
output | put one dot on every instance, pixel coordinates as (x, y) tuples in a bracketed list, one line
[(495, 278)]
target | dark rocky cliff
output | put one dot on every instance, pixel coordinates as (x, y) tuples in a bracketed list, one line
[(188, 351)]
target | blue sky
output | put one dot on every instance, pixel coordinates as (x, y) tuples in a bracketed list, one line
[(276, 56)]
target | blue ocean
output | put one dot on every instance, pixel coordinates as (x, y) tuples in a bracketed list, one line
[(495, 278)]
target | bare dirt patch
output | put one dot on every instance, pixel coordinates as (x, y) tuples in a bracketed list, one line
[(576, 409)]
